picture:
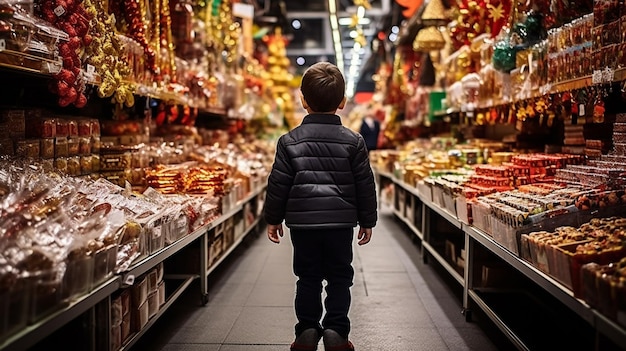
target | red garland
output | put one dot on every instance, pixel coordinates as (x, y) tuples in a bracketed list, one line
[(71, 17)]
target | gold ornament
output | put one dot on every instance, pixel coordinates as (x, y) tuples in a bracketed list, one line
[(364, 3), (434, 14), (354, 21), (496, 12), (429, 39)]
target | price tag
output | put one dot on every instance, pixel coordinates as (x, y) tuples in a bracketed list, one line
[(91, 70), (608, 75), (59, 11), (596, 78), (581, 109), (129, 279), (3, 45)]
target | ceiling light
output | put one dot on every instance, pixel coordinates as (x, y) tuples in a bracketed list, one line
[(300, 61), (346, 21), (332, 10), (296, 24), (395, 29)]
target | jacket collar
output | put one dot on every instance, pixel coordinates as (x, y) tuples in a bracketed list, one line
[(321, 119)]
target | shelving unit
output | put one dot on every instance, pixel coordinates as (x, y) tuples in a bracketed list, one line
[(98, 301), (33, 333), (533, 294)]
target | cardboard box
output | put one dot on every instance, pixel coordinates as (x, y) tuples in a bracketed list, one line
[(140, 291), (126, 328), (140, 316), (152, 278), (161, 293), (125, 298), (116, 311), (463, 210), (159, 269), (216, 249), (116, 337), (153, 304)]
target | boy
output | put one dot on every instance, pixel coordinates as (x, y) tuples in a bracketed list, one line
[(322, 185)]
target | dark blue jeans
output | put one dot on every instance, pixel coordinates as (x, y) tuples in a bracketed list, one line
[(323, 255)]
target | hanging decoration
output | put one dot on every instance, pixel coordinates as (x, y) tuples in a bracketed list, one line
[(429, 39), (282, 96), (475, 17), (410, 7), (365, 3), (106, 55), (130, 16), (434, 14), (72, 18), (168, 65), (504, 53), (499, 12)]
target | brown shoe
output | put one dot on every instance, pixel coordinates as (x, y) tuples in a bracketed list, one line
[(306, 341), (335, 342)]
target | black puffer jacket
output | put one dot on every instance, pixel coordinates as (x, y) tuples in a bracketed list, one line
[(321, 178)]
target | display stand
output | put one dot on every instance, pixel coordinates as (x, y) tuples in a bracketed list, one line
[(97, 304), (523, 302)]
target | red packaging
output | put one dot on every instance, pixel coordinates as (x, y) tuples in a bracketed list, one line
[(72, 127), (84, 127), (63, 129)]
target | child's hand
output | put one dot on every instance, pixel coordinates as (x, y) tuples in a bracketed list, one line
[(365, 234), (275, 232)]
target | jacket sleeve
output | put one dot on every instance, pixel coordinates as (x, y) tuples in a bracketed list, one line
[(365, 187), (278, 186)]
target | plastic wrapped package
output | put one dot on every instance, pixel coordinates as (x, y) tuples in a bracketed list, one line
[(46, 292), (114, 161), (13, 300), (155, 233), (78, 277), (46, 148), (86, 164), (73, 166), (130, 237), (62, 129), (179, 226), (27, 148), (73, 146), (84, 127), (61, 147)]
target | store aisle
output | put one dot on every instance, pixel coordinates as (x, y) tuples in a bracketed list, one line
[(399, 303)]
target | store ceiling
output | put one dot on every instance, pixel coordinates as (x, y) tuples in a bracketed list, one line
[(308, 27)]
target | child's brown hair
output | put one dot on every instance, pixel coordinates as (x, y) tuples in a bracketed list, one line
[(323, 87)]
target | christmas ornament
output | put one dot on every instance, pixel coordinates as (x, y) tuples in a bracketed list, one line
[(475, 17), (72, 18), (429, 39), (434, 14), (504, 53)]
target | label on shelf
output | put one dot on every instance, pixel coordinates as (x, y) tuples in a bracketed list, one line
[(129, 279)]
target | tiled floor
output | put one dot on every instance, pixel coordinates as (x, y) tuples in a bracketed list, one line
[(399, 303)]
